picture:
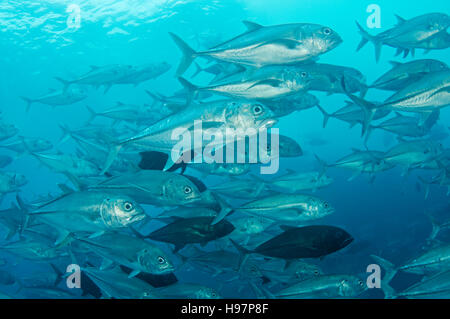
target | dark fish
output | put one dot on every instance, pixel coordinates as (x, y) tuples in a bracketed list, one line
[(191, 231), (302, 242)]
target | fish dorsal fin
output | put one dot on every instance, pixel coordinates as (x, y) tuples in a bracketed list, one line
[(252, 26), (120, 104), (94, 67), (65, 189), (397, 114), (51, 90), (395, 63), (400, 20), (287, 227)]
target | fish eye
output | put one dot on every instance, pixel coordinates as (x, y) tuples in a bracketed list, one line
[(316, 272), (187, 189), (213, 294), (128, 206), (161, 260), (327, 31), (303, 74), (326, 205), (257, 109), (360, 282)]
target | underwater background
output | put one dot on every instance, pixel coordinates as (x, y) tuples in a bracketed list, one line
[(385, 215)]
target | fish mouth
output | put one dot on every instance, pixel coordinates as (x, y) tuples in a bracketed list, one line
[(267, 123), (347, 241)]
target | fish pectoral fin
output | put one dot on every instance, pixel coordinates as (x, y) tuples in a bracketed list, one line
[(289, 44), (134, 273), (270, 82), (106, 264), (97, 234)]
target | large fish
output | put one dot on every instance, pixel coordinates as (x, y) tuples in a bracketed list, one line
[(352, 114), (23, 145), (187, 291), (158, 188), (144, 73), (125, 112), (132, 252), (408, 35), (68, 164), (58, 98), (273, 45), (241, 188), (191, 230), (288, 207), (409, 126), (360, 162), (325, 286), (301, 242), (90, 212), (271, 82), (327, 78), (220, 115), (403, 74), (101, 75), (413, 153), (293, 182)]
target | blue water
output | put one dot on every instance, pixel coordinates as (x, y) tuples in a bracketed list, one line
[(36, 45)]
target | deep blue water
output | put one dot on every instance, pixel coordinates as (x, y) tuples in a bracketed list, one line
[(36, 45)]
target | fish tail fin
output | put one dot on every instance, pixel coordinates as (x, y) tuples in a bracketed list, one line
[(366, 37), (59, 274), (390, 272), (92, 114), (198, 69), (427, 187), (370, 129), (363, 90), (28, 101), (111, 157), (157, 98), (368, 108), (65, 83), (243, 253), (323, 165), (65, 133), (189, 54), (436, 228), (191, 88), (326, 116), (225, 210)]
